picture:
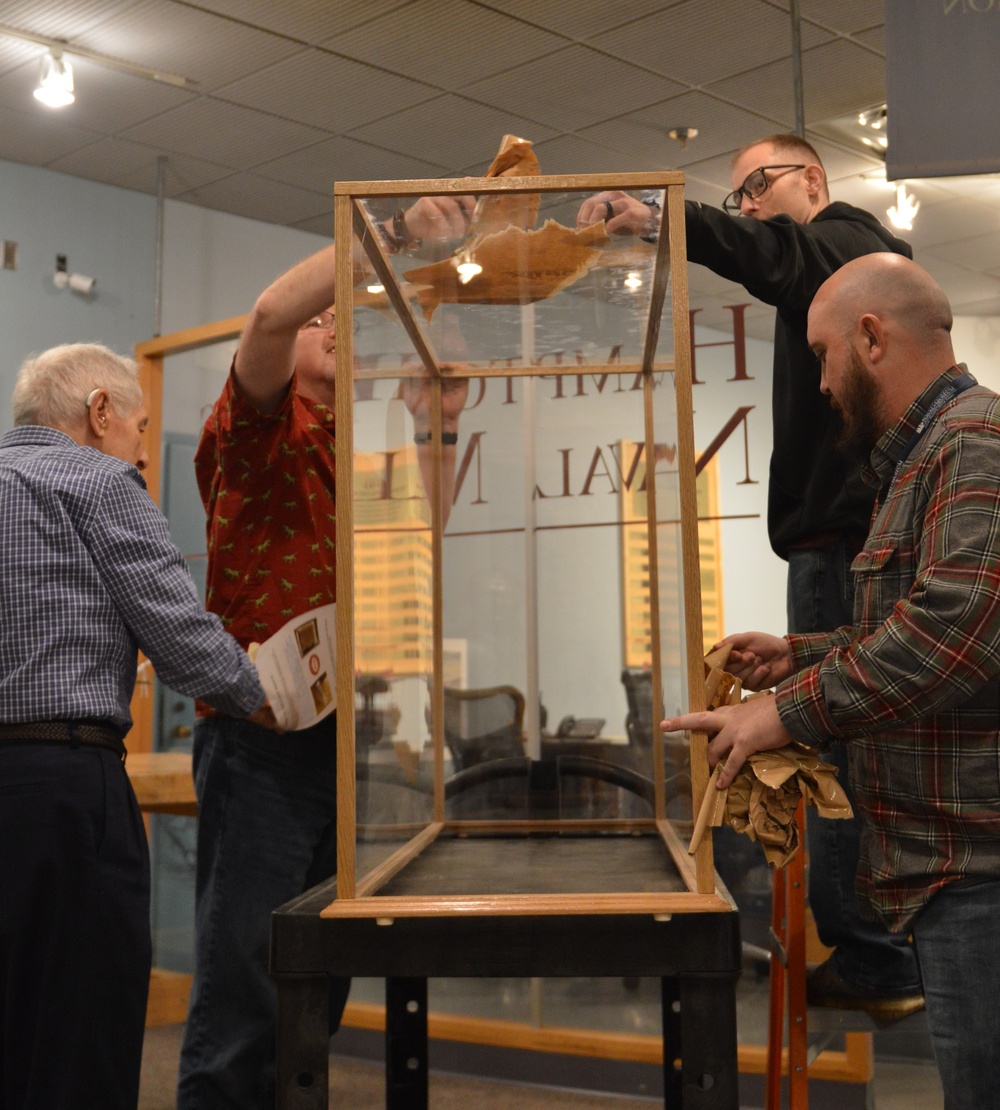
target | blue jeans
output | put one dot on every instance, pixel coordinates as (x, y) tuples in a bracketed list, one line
[(820, 599), (267, 811), (958, 947)]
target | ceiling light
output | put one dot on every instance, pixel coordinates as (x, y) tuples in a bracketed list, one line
[(633, 281), (55, 83), (682, 134), (375, 287), (901, 214)]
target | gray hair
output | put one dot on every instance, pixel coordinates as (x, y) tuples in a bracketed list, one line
[(52, 388)]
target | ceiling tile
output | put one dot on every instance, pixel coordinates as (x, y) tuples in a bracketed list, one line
[(14, 54), (570, 154), (318, 225), (339, 159), (449, 131), (721, 127), (232, 135), (306, 20), (952, 222), (57, 19), (847, 16), (977, 253), (260, 199), (448, 43), (38, 137), (134, 166), (580, 19), (581, 87), (326, 90), (181, 39), (663, 42)]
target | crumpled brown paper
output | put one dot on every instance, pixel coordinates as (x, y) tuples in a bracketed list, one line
[(761, 801)]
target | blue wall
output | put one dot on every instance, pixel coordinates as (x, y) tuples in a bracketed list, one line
[(105, 232)]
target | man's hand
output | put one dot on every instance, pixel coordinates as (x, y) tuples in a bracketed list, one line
[(625, 216), (737, 731), (441, 217), (265, 717), (758, 660)]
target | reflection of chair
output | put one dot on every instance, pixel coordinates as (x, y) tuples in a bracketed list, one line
[(638, 683), (481, 725)]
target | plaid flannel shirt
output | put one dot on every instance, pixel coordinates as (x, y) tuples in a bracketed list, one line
[(914, 686)]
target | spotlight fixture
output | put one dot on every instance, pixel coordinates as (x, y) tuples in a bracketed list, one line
[(682, 134), (375, 287), (55, 82), (633, 281)]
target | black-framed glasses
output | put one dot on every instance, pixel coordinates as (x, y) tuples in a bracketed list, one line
[(755, 185)]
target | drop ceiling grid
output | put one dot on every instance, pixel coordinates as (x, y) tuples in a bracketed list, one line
[(326, 91), (694, 43), (57, 19), (850, 16), (341, 159), (580, 20), (721, 128), (198, 45), (132, 165), (578, 86), (449, 43), (306, 20), (450, 130), (36, 140), (225, 133), (260, 199)]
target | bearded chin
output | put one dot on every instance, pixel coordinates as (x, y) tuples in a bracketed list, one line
[(859, 411)]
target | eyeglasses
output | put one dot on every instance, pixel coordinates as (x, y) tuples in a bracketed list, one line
[(324, 321), (754, 185)]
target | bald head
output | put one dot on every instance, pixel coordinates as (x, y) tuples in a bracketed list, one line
[(884, 321), (892, 288)]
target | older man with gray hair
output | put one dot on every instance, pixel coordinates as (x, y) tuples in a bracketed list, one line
[(88, 575)]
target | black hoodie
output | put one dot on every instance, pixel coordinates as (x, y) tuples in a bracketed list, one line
[(812, 490)]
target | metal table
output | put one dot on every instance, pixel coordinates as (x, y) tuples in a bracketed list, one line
[(695, 955)]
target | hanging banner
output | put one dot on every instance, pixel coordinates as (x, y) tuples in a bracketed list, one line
[(942, 92)]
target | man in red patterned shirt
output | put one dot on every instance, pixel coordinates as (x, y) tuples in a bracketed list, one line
[(913, 688), (267, 803)]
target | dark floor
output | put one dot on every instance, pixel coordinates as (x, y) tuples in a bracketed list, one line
[(360, 1085)]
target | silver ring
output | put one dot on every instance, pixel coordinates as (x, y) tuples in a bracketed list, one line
[(610, 209)]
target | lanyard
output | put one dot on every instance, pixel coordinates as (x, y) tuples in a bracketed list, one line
[(949, 393)]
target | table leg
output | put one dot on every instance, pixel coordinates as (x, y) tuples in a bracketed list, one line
[(406, 1044), (302, 1076), (708, 1052)]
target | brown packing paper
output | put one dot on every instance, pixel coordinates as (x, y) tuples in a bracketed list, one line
[(761, 801)]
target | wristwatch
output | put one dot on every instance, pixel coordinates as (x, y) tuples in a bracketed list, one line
[(652, 201)]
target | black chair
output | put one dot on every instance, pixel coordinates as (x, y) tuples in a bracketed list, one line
[(482, 725), (639, 725)]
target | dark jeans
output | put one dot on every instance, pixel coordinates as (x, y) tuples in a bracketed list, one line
[(267, 825), (74, 930), (820, 599), (958, 946)]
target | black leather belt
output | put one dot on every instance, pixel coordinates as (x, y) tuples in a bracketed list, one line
[(67, 732)]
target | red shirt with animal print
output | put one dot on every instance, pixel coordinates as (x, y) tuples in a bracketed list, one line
[(267, 484)]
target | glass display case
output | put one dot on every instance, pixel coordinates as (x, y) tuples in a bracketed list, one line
[(517, 557)]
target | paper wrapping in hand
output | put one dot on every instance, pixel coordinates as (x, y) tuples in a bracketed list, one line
[(762, 799)]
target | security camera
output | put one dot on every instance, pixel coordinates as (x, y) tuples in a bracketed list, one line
[(63, 279)]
